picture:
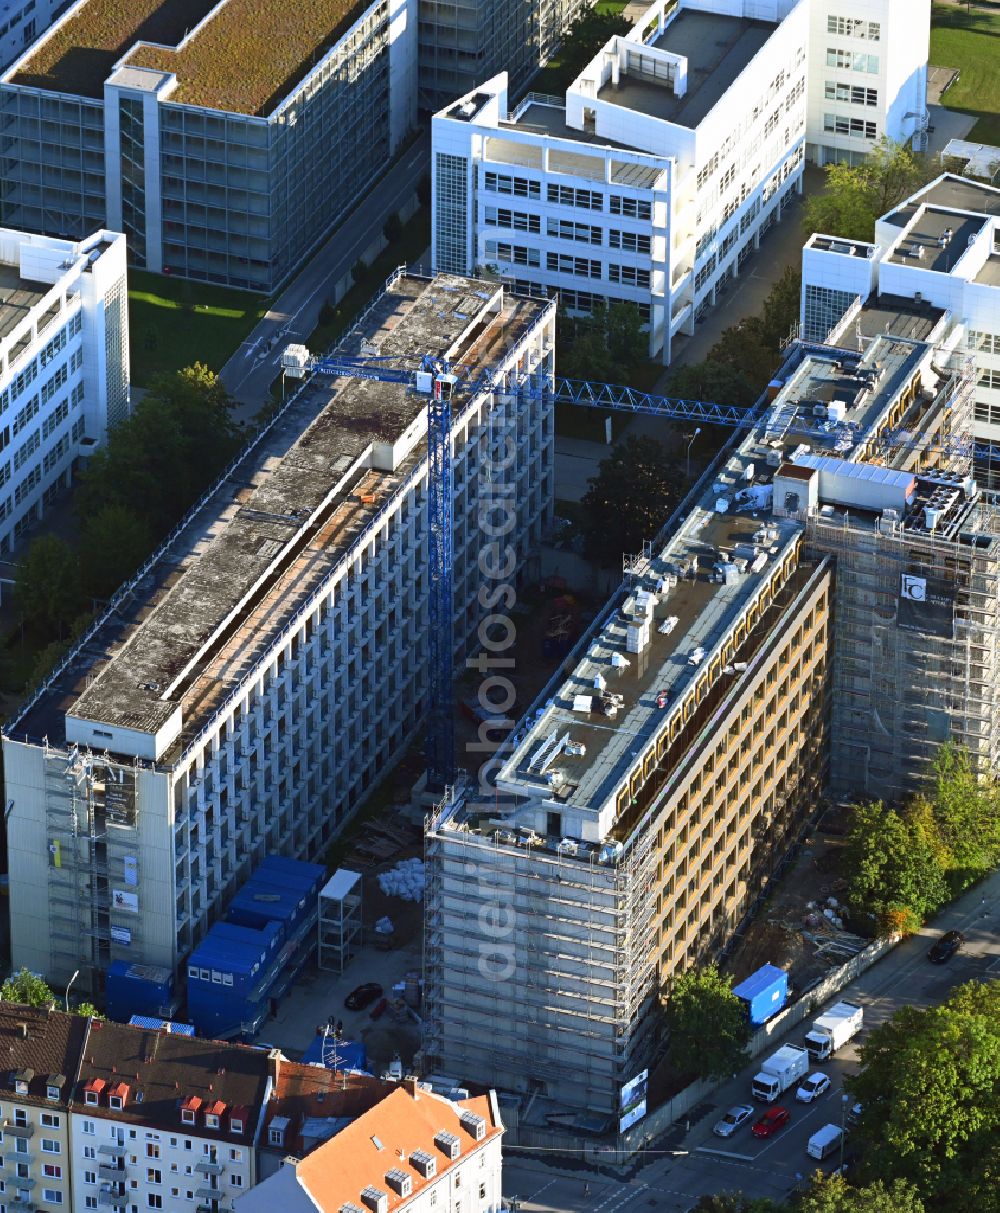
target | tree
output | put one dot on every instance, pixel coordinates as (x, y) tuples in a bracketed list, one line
[(27, 989), (636, 488), (967, 812), (894, 865), (736, 1202), (930, 1095), (707, 1024), (590, 32), (47, 586), (114, 542), (833, 1194), (855, 196), (605, 345), (156, 463)]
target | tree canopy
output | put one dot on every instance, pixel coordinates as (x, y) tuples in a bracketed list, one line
[(855, 196), (27, 989), (47, 586), (833, 1194), (736, 1202), (930, 1093), (158, 461), (606, 345), (707, 1024), (631, 497), (903, 863)]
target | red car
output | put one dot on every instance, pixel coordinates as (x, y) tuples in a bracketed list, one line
[(772, 1120), (378, 1010)]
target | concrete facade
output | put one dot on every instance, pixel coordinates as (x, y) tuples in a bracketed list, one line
[(237, 192), (64, 364), (275, 661)]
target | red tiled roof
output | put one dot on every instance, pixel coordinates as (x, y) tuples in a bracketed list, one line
[(384, 1140)]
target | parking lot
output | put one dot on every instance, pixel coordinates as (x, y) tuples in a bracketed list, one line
[(691, 1161)]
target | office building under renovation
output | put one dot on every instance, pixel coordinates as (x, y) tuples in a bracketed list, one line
[(252, 683), (824, 615)]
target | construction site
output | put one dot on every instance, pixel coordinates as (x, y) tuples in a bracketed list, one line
[(820, 617)]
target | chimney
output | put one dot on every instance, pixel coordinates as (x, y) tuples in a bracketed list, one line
[(411, 1087)]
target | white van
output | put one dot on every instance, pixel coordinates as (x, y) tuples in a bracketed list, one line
[(824, 1141)]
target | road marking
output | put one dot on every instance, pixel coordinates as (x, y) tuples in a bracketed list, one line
[(535, 1195), (724, 1153)]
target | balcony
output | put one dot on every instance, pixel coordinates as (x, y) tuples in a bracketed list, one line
[(115, 1174), (208, 1167), (114, 1200), (115, 1148), (21, 1131)]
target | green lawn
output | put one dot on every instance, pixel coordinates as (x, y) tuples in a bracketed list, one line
[(970, 41), (174, 323)]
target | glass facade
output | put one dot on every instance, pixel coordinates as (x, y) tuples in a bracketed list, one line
[(450, 213), (243, 199), (823, 309)]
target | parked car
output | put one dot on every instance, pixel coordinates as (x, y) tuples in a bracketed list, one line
[(854, 1113), (946, 947), (363, 996), (378, 1010), (728, 1124), (773, 1119), (813, 1087)]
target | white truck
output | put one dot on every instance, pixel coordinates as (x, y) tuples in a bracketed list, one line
[(833, 1029), (779, 1072)]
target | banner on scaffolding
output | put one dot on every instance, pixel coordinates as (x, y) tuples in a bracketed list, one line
[(119, 797), (926, 604)]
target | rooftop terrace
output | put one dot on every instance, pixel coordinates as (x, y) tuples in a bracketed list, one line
[(244, 564), (243, 59), (717, 47)]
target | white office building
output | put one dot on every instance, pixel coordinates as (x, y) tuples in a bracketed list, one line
[(21, 22), (941, 249), (247, 690), (64, 376), (674, 150)]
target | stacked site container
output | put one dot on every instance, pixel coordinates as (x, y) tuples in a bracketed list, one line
[(138, 989), (244, 964)]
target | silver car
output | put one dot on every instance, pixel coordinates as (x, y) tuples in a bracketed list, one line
[(732, 1120), (814, 1086)]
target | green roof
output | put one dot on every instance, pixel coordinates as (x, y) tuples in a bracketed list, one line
[(244, 60)]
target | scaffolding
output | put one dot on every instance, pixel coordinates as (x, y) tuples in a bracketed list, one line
[(339, 920), (909, 674)]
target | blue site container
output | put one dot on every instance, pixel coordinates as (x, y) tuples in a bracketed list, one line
[(294, 871), (138, 989), (229, 974), (764, 992), (260, 902)]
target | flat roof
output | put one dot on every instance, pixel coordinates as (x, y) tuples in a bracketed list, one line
[(989, 275), (836, 244), (542, 118), (899, 316), (17, 297), (936, 239), (244, 59), (267, 539), (709, 571), (717, 47), (956, 193)]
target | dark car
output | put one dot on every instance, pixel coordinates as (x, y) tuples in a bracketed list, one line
[(378, 1010), (946, 947), (363, 996), (772, 1120)]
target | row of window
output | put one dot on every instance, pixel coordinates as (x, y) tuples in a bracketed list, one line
[(853, 94), (989, 343), (852, 61), (990, 413), (854, 27), (990, 379), (565, 195), (586, 301), (849, 126)]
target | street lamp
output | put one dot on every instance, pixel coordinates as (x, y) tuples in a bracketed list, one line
[(68, 984), (687, 467), (845, 1099)]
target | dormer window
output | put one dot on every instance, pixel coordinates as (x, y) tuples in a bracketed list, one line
[(211, 1122), (238, 1119), (187, 1116), (117, 1096), (276, 1131), (115, 1103), (22, 1081), (189, 1110), (92, 1091), (53, 1087)]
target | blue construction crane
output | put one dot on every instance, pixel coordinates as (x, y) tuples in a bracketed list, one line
[(439, 380)]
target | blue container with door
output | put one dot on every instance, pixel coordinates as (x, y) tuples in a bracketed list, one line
[(764, 993), (138, 989)]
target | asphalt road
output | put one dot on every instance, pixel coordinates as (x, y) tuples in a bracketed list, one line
[(698, 1162), (249, 373)]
